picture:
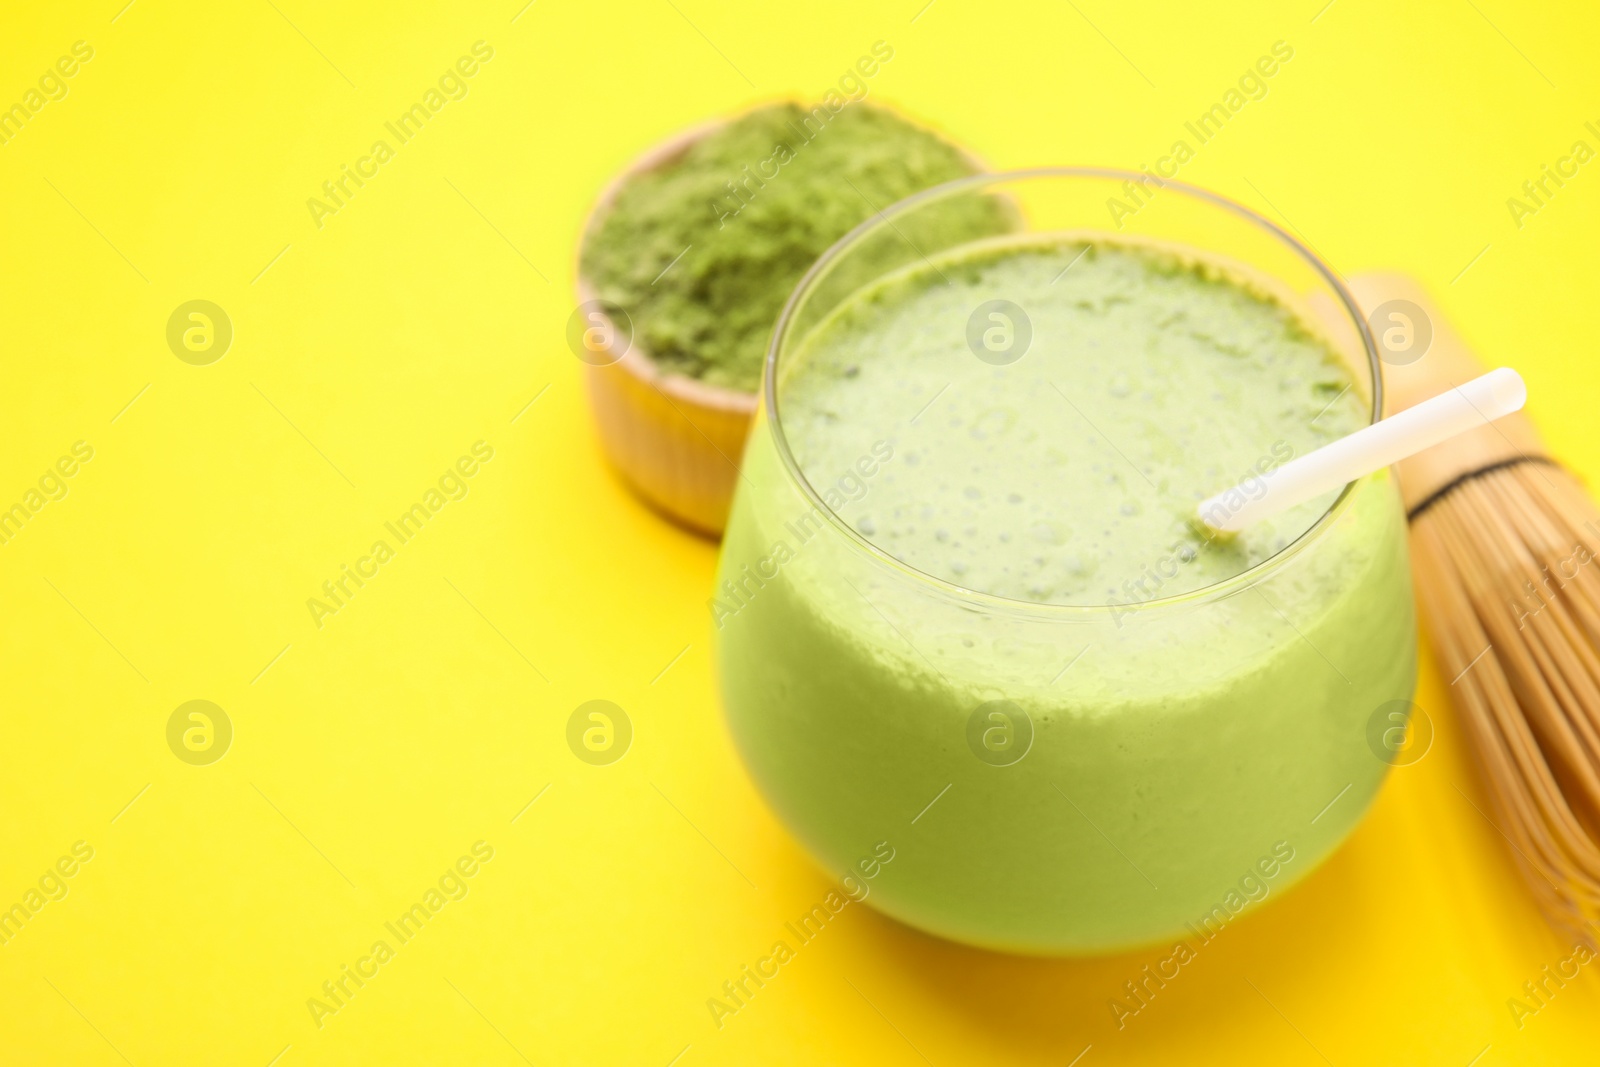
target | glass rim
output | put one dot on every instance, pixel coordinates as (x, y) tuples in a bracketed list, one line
[(1250, 576)]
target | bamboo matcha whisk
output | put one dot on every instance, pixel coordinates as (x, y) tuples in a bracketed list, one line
[(1503, 545)]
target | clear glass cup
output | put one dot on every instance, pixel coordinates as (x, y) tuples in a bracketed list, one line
[(1060, 779)]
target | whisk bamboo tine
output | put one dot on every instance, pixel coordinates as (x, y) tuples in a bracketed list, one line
[(1549, 750)]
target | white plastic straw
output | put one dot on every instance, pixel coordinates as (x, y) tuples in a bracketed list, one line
[(1482, 400)]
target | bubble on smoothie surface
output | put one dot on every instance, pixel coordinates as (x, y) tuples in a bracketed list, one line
[(1070, 475)]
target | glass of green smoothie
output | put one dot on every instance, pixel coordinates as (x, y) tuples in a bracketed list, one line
[(963, 606)]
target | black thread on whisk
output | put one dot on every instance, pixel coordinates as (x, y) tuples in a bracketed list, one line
[(1461, 479)]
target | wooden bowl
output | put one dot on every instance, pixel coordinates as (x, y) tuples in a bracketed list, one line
[(676, 440)]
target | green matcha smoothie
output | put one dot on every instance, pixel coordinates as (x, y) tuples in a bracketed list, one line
[(1070, 476), (998, 641)]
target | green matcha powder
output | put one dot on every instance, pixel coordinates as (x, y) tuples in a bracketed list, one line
[(755, 204)]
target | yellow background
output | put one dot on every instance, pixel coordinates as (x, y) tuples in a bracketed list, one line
[(425, 316)]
